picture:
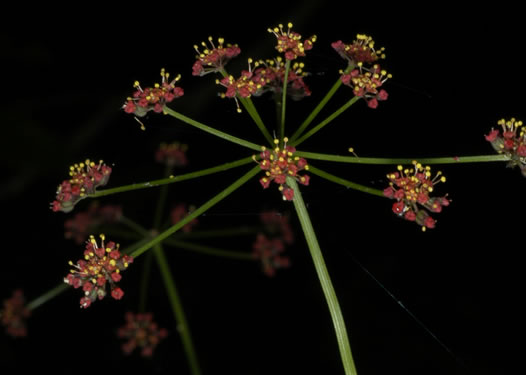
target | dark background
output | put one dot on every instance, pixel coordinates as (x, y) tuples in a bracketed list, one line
[(456, 72)]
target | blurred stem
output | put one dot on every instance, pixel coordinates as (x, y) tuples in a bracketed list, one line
[(385, 161), (208, 250), (177, 308), (325, 280), (237, 231), (318, 127), (182, 177), (145, 281), (284, 103), (318, 108), (200, 210), (346, 183), (208, 129), (139, 229)]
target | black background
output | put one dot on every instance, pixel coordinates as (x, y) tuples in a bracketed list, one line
[(456, 72)]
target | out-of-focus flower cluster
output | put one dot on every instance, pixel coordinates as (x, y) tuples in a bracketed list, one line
[(363, 74), (411, 188), (141, 332), (279, 164), (85, 222), (178, 213), (14, 314), (270, 243), (85, 178), (511, 142), (172, 154), (101, 264), (153, 98)]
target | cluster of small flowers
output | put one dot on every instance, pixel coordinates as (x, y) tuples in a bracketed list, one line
[(270, 245), (85, 178), (84, 222), (172, 154), (272, 72), (214, 59), (411, 189), (512, 142), (101, 264), (141, 332), (14, 314), (280, 164), (364, 79), (289, 42), (178, 213), (153, 98)]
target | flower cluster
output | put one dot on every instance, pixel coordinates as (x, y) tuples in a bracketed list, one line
[(178, 213), (289, 42), (153, 98), (141, 332), (277, 225), (14, 313), (272, 74), (411, 189), (362, 75), (85, 178), (101, 264), (172, 154), (214, 59), (84, 222), (280, 164), (512, 142)]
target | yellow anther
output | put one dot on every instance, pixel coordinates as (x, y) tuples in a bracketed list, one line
[(285, 139), (113, 263), (102, 236), (443, 179), (289, 25), (399, 168)]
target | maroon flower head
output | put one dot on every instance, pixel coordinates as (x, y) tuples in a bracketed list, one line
[(279, 164), (361, 50), (512, 142), (276, 225), (141, 332), (101, 264), (153, 98), (411, 188), (290, 43), (172, 154), (178, 213), (213, 59), (85, 178), (270, 75), (269, 252), (366, 83), (14, 313)]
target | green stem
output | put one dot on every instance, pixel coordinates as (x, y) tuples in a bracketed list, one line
[(139, 229), (165, 181), (325, 280), (50, 294), (145, 281), (317, 109), (318, 127), (284, 103), (177, 308), (439, 160), (238, 231), (208, 250), (208, 129), (162, 200), (346, 183), (194, 214)]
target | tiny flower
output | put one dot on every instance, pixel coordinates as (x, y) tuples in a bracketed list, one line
[(289, 42), (512, 142), (213, 59), (153, 98), (269, 251), (172, 154), (178, 213), (141, 332), (84, 222), (14, 314), (411, 189), (279, 164), (366, 83), (270, 75), (361, 50), (85, 178), (101, 264)]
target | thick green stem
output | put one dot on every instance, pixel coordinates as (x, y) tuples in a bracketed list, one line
[(318, 127), (208, 129), (194, 214), (317, 109), (284, 102), (346, 183), (208, 250), (171, 180), (325, 280), (177, 308), (385, 161)]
